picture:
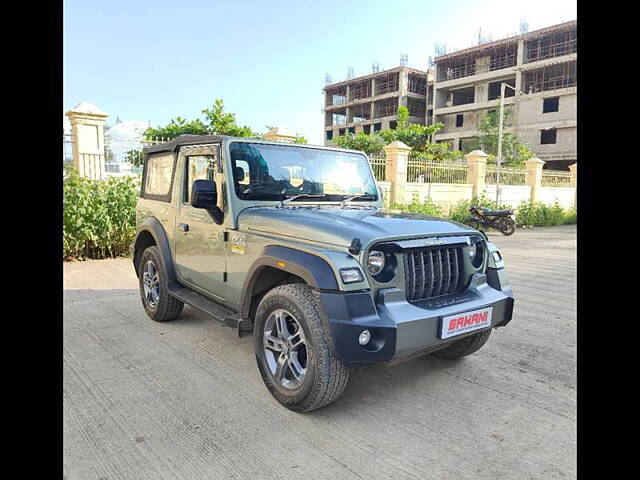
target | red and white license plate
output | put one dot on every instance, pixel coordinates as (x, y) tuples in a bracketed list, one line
[(465, 322)]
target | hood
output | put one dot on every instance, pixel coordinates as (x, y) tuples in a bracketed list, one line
[(334, 226)]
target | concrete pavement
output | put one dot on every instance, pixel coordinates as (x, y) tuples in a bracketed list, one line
[(144, 400)]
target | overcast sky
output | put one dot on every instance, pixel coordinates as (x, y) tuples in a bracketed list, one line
[(153, 60)]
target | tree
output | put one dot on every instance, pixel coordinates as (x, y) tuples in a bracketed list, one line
[(514, 151), (216, 122), (418, 137), (369, 144)]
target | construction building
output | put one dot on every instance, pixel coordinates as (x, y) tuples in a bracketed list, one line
[(463, 86), (540, 65), (370, 103)]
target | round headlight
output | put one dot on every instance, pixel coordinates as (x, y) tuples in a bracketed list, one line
[(473, 250), (375, 262)]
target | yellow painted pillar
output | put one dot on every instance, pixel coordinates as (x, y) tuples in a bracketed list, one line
[(477, 161), (397, 154), (534, 176), (87, 139)]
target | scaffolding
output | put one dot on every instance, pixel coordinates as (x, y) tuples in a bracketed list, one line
[(386, 108), (417, 84), (478, 61), (550, 77), (360, 90), (554, 44), (387, 83), (361, 112), (335, 96), (417, 107)]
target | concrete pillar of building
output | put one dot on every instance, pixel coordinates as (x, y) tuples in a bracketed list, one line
[(373, 110), (534, 176), (481, 93), (397, 154), (519, 62), (87, 138), (477, 161), (482, 64), (403, 82)]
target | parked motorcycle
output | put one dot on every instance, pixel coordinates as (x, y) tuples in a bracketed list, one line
[(501, 220)]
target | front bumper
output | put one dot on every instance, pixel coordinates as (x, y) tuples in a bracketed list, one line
[(400, 329)]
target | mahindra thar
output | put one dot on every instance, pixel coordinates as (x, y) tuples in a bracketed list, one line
[(291, 242)]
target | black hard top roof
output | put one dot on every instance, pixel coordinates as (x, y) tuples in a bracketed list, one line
[(180, 140)]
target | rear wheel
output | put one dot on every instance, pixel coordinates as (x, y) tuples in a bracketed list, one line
[(157, 302), (506, 226), (292, 350), (464, 347)]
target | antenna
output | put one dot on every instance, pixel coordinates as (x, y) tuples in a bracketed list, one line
[(350, 74), (375, 66), (524, 25), (403, 59), (327, 79)]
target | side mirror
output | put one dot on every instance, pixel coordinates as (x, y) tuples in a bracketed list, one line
[(204, 194)]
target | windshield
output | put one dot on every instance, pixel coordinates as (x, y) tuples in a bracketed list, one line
[(275, 172)]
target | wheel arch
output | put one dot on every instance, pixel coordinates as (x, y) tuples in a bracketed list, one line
[(151, 232), (278, 265)]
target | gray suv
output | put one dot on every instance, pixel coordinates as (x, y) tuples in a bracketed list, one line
[(291, 242)]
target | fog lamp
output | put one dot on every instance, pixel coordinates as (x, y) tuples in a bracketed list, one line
[(364, 337)]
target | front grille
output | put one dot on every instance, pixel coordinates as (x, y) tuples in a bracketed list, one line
[(433, 272)]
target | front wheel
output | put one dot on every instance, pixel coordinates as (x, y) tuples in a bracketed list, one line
[(473, 223), (292, 350), (506, 226)]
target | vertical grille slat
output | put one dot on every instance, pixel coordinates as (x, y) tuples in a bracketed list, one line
[(433, 272)]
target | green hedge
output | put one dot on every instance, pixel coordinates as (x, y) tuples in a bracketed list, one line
[(99, 216), (528, 214)]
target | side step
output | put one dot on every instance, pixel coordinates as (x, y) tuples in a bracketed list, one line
[(202, 303)]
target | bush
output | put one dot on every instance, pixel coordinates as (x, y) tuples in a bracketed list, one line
[(537, 214), (428, 207), (99, 216)]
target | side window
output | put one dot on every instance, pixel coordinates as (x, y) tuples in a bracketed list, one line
[(158, 175), (199, 167)]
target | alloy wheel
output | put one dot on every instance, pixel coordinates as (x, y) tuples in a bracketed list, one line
[(285, 349), (151, 284)]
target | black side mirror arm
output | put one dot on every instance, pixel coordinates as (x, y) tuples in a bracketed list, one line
[(216, 214)]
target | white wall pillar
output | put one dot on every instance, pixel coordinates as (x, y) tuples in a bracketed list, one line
[(87, 138)]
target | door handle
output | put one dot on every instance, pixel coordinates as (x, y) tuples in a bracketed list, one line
[(184, 227)]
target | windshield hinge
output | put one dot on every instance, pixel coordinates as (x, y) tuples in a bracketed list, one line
[(225, 237)]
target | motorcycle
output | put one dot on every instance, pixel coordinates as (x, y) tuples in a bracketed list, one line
[(501, 220)]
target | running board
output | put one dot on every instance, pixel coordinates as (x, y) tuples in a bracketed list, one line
[(214, 309)]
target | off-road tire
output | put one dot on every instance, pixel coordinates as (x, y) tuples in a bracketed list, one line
[(464, 347), (326, 376), (168, 308)]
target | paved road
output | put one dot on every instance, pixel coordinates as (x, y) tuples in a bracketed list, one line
[(144, 400)]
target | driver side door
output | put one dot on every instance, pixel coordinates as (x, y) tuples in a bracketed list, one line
[(199, 242)]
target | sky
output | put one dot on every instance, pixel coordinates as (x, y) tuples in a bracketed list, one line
[(150, 61)]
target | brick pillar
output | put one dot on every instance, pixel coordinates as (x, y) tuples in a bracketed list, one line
[(534, 176), (477, 161), (397, 154), (87, 137)]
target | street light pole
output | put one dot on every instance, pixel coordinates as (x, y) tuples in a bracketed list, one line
[(500, 128)]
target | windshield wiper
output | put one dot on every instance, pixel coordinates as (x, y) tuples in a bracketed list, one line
[(301, 195), (364, 196)]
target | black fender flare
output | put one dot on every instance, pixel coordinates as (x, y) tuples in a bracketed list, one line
[(315, 271), (154, 227)]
